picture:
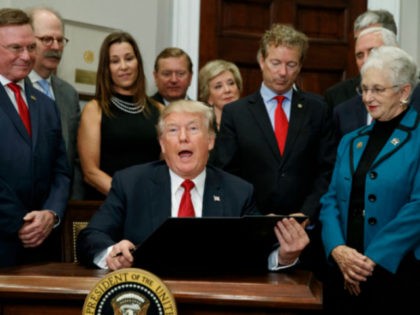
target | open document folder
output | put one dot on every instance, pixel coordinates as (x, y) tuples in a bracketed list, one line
[(209, 245)]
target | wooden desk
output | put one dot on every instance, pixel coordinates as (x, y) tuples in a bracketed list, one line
[(61, 288)]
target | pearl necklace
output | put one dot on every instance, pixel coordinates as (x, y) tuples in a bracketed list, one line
[(128, 107)]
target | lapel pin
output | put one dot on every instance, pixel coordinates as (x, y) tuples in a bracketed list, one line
[(216, 198), (33, 97), (299, 105), (359, 145), (395, 141)]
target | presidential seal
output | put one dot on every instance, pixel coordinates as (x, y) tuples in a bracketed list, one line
[(130, 291)]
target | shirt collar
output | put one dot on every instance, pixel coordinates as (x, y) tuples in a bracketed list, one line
[(4, 81), (35, 77), (267, 94), (199, 181)]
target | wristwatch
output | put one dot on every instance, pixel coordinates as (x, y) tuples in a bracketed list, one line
[(56, 218)]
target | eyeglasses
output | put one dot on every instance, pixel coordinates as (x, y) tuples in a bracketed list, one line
[(49, 40), (18, 49), (376, 90)]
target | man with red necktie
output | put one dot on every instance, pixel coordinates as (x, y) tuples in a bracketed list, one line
[(142, 197), (34, 172), (290, 177)]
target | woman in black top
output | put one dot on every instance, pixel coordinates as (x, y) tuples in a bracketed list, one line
[(117, 128)]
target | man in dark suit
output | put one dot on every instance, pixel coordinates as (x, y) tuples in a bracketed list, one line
[(34, 171), (143, 196), (172, 73), (291, 182), (49, 33), (344, 90)]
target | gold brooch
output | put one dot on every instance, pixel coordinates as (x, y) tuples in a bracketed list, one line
[(395, 141)]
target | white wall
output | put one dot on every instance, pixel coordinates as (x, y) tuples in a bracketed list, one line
[(406, 14), (149, 21), (410, 28)]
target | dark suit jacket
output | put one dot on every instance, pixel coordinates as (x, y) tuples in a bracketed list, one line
[(246, 146), (157, 97), (352, 114), (34, 171), (67, 100), (140, 201), (341, 91)]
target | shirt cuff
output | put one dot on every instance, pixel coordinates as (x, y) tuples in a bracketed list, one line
[(273, 262), (100, 259)]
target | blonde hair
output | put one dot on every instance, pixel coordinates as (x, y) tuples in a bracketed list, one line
[(187, 106), (211, 70)]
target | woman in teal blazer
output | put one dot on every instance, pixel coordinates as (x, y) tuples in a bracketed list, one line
[(371, 213)]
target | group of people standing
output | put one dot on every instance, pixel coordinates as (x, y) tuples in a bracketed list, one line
[(280, 150)]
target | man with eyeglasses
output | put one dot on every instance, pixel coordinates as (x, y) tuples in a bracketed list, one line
[(34, 171), (172, 73), (352, 114), (50, 41)]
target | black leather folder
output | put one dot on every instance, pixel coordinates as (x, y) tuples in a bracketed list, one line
[(209, 245)]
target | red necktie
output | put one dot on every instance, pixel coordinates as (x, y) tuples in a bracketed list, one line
[(280, 123), (22, 107), (186, 208)]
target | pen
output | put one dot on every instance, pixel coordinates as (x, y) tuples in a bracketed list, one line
[(132, 250)]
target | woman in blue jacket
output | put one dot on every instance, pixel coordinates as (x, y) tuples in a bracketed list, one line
[(371, 213)]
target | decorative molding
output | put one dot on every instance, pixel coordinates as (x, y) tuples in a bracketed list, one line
[(186, 33)]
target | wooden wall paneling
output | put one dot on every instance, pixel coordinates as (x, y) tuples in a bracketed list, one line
[(231, 30)]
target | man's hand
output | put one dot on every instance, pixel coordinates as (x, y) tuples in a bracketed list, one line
[(37, 225), (121, 255), (292, 238)]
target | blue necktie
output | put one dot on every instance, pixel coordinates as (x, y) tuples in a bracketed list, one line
[(45, 85)]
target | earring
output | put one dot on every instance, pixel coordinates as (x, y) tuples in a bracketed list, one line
[(404, 102)]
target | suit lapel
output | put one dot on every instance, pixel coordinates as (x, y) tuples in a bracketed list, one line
[(160, 184), (7, 106), (298, 112), (259, 113), (60, 100), (33, 109), (398, 138), (213, 199)]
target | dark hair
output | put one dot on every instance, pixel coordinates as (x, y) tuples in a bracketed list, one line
[(173, 52), (104, 86), (10, 16)]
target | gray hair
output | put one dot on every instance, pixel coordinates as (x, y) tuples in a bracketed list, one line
[(211, 70), (389, 38), (398, 64), (188, 106), (371, 17)]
